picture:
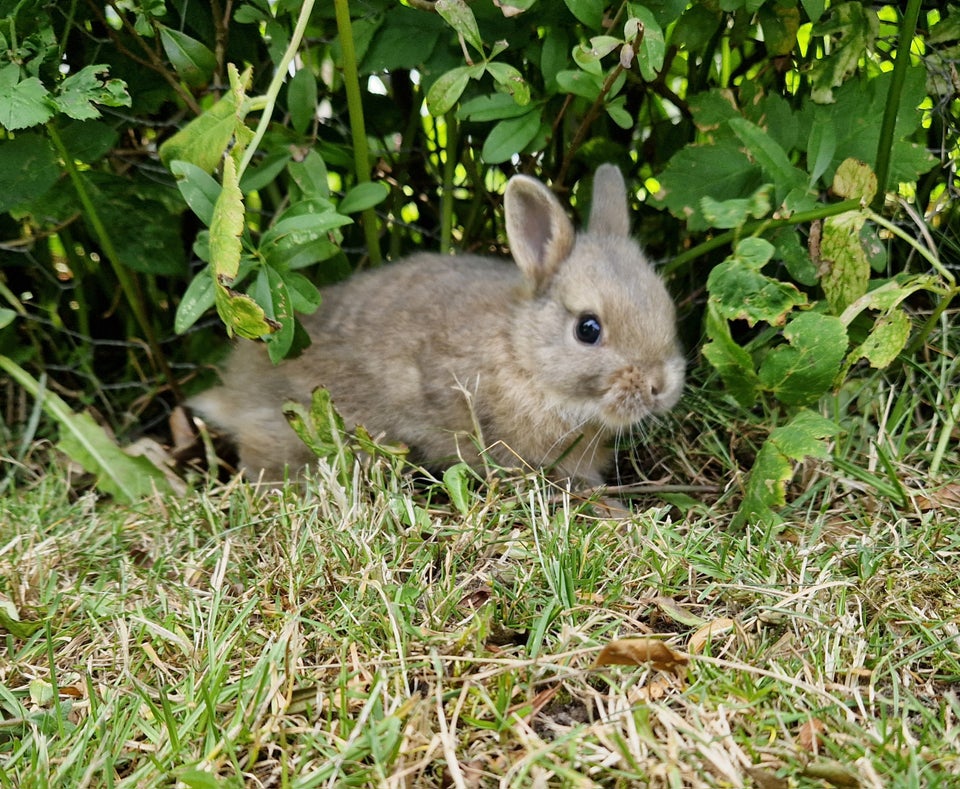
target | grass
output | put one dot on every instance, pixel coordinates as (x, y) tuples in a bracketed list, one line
[(374, 631)]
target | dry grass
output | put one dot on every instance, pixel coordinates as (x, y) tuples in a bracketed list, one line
[(371, 634)]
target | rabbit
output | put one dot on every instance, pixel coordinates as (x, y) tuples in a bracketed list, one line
[(537, 364)]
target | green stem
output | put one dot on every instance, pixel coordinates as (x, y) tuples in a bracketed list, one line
[(946, 436), (908, 27), (929, 256), (752, 227), (446, 196), (273, 91), (361, 153), (128, 282)]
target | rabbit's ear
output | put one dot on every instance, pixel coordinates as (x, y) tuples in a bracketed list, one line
[(609, 213), (538, 229)]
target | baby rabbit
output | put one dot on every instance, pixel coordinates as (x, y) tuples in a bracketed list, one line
[(538, 363)]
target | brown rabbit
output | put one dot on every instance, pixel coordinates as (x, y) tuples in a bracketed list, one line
[(541, 362)]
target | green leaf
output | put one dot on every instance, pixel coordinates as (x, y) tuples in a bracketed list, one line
[(199, 189), (509, 137), (305, 297), (302, 99), (25, 103), (770, 156), (363, 196), (821, 146), (7, 316), (740, 292), (653, 47), (458, 15), (196, 300), (511, 80), (590, 12), (780, 23), (310, 175), (192, 59), (493, 107), (125, 477), (270, 292), (766, 486), (28, 169), (203, 141), (226, 225), (15, 627), (886, 340), (801, 372), (580, 83), (844, 267), (456, 481), (321, 428), (448, 89), (266, 171), (733, 213), (732, 362), (78, 93), (854, 27)]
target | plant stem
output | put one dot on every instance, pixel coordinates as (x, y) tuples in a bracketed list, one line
[(927, 255), (269, 101), (361, 153), (128, 282), (446, 195), (752, 227), (908, 27)]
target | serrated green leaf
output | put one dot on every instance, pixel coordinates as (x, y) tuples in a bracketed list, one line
[(741, 292), (509, 137), (24, 104), (733, 213), (28, 169), (886, 340), (458, 15), (765, 491), (732, 362), (854, 27), (844, 264), (802, 371), (78, 93), (363, 196), (226, 225), (203, 141), (770, 156), (192, 59)]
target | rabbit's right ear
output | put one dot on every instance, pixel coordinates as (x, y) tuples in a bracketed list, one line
[(538, 229), (609, 212)]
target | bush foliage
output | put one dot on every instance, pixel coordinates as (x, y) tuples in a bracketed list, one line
[(792, 163)]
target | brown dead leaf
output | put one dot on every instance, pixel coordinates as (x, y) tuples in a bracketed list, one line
[(709, 632), (809, 736), (639, 652), (945, 497)]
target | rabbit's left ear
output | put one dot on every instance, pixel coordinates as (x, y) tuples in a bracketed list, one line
[(609, 212), (539, 231)]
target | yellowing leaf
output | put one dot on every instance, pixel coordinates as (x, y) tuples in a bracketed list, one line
[(709, 632)]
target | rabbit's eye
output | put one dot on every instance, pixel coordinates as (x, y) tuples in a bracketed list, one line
[(588, 329)]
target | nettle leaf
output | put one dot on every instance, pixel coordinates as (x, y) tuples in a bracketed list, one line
[(844, 267), (770, 156), (721, 171), (854, 28), (886, 340), (23, 104), (733, 213), (804, 436), (730, 360), (192, 59), (740, 292), (78, 93), (203, 141), (801, 372), (28, 169)]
